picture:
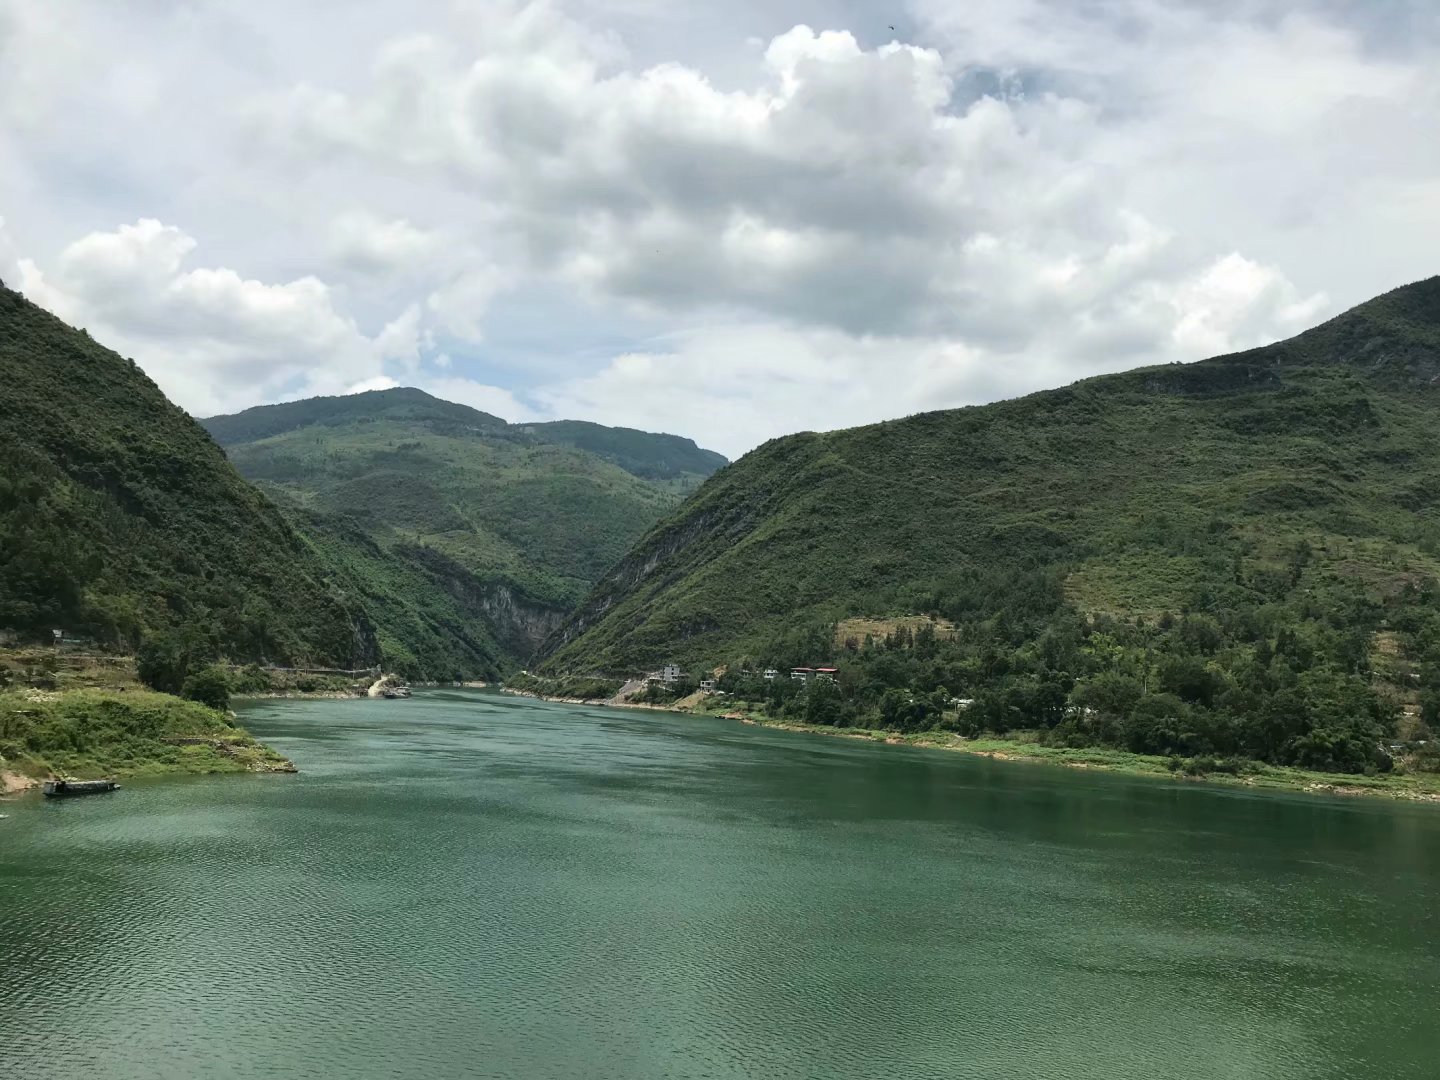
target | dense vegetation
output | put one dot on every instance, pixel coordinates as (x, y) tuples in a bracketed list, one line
[(415, 533), (468, 538), (1235, 557), (652, 457), (120, 517), (97, 733)]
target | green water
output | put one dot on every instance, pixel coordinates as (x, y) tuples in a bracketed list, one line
[(465, 885)]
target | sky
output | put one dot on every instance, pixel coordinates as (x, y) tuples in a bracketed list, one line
[(727, 219)]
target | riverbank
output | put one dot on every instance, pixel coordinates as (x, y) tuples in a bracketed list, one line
[(300, 695), (1022, 747), (615, 701), (93, 733)]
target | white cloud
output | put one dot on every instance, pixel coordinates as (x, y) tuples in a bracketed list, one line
[(707, 381), (1236, 304), (401, 338), (9, 259), (369, 244), (490, 399), (845, 189), (459, 306), (617, 209), (213, 339), (379, 382)]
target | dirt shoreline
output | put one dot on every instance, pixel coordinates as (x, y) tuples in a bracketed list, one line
[(12, 783), (607, 703)]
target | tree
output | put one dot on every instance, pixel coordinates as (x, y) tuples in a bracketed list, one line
[(1189, 678), (1109, 693), (165, 659), (1430, 709), (210, 685), (1157, 725), (823, 704), (162, 663)]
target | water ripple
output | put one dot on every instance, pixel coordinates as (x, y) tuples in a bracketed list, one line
[(471, 886)]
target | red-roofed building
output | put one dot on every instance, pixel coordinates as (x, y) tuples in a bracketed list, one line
[(805, 674)]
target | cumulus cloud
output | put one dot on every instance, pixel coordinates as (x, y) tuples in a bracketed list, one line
[(458, 307), (852, 234), (212, 338), (9, 259), (369, 244), (583, 207), (842, 189), (490, 399), (379, 382), (708, 380)]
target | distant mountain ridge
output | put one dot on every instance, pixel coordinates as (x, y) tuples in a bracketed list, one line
[(470, 538), (400, 403), (649, 456), (646, 454)]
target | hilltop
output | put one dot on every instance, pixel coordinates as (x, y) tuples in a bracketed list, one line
[(120, 518), (1158, 558), (470, 538)]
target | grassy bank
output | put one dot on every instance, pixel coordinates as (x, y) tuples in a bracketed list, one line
[(257, 682), (92, 733), (1024, 746), (43, 668)]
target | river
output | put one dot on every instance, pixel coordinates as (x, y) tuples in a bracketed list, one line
[(470, 885)]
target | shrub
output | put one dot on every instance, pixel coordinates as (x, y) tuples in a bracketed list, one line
[(162, 663), (209, 686)]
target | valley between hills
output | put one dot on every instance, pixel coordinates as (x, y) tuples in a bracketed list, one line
[(1228, 569)]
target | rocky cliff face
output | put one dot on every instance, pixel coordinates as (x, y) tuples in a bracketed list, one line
[(518, 623)]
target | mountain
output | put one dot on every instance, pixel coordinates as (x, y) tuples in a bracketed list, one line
[(1280, 502), (651, 457), (120, 517), (470, 538)]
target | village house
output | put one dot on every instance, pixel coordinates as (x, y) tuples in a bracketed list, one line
[(805, 674), (707, 686), (771, 674), (668, 674)]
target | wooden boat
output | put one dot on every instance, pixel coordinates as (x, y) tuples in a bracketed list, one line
[(59, 789)]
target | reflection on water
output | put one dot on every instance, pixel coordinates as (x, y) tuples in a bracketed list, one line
[(470, 885)]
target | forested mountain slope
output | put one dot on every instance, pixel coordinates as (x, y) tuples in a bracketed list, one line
[(470, 538), (120, 517), (1281, 507)]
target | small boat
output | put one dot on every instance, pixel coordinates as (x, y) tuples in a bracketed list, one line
[(59, 789)]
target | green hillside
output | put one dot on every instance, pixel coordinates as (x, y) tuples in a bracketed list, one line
[(652, 457), (120, 517), (469, 538), (1172, 558)]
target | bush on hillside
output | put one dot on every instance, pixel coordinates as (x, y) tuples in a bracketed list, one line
[(210, 685)]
